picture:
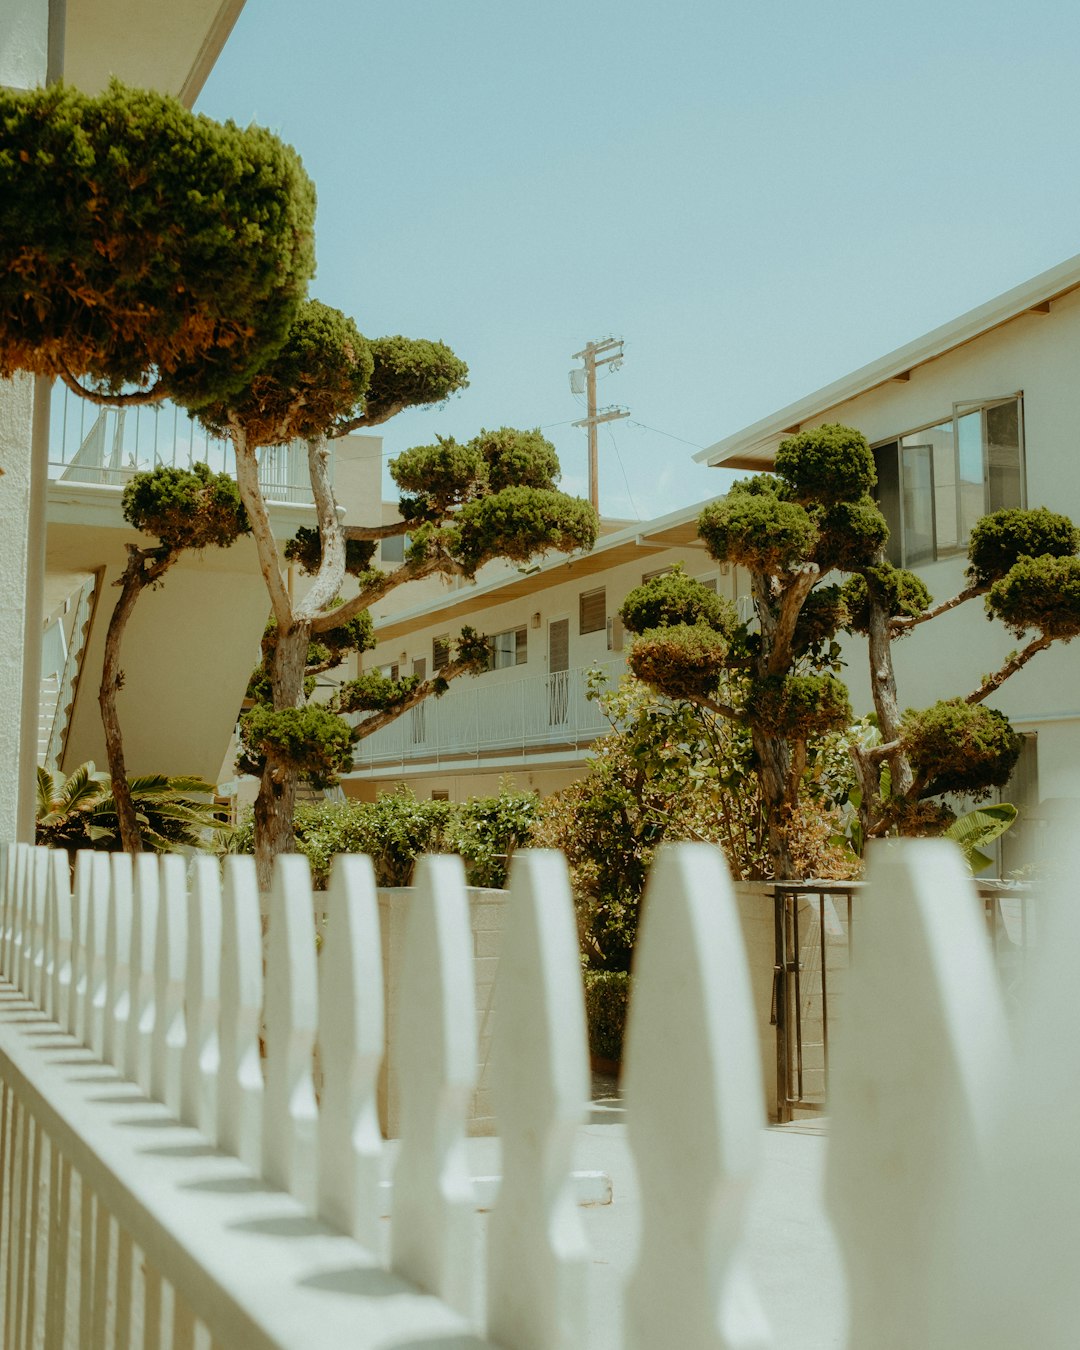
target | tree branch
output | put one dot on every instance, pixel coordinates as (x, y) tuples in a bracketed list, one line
[(367, 420), (375, 590), (137, 397), (395, 527), (247, 479), (792, 599), (331, 571), (1011, 666), (901, 623), (425, 689)]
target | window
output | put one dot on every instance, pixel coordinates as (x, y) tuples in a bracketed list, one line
[(390, 671), (592, 611), (392, 550), (440, 795), (616, 634), (440, 652), (660, 572), (934, 484), (509, 649)]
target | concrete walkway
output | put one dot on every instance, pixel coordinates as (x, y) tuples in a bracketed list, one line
[(792, 1253)]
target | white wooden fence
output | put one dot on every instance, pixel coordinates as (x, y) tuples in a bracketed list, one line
[(160, 1186)]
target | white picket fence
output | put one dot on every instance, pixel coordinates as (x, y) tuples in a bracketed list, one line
[(160, 1186)]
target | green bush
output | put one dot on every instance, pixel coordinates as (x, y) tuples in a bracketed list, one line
[(397, 828), (607, 1000)]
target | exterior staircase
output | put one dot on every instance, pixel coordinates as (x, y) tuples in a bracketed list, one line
[(63, 646)]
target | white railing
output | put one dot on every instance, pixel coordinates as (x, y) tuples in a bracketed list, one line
[(479, 716), (69, 651), (89, 444), (179, 1195)]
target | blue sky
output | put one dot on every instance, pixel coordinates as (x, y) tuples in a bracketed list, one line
[(757, 197)]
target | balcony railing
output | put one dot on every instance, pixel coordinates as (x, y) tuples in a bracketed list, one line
[(88, 444), (484, 716)]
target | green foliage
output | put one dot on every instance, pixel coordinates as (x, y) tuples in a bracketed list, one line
[(850, 535), (676, 598), (409, 373), (141, 242), (754, 528), (517, 458), (316, 381), (682, 661), (901, 593), (186, 508), (960, 747), (667, 771), (397, 828), (310, 740), (799, 706), (823, 614), (373, 691), (973, 831), (487, 830), (607, 1003), (438, 477), (1041, 593), (334, 644), (1000, 540), (830, 464), (305, 549), (519, 524), (79, 812)]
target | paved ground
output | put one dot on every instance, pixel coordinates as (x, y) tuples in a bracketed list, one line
[(791, 1250)]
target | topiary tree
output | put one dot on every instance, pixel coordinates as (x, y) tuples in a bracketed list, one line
[(146, 252), (1024, 565), (790, 531), (183, 508), (461, 504), (775, 676)]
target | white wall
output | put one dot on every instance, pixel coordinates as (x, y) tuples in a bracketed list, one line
[(1038, 355)]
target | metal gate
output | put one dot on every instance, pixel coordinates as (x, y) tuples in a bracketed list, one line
[(814, 949)]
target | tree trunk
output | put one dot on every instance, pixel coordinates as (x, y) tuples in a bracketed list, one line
[(275, 806), (136, 576), (883, 687), (773, 760)]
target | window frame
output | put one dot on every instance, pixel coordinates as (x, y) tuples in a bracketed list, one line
[(959, 409), (585, 599)]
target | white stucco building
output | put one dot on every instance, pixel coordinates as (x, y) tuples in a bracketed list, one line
[(979, 414)]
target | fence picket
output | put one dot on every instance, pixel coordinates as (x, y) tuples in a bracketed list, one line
[(39, 933), (9, 862), (537, 1254), (351, 1037), (289, 1111), (240, 1084), (202, 987), (432, 1234), (694, 1115), (59, 899), (20, 958), (140, 1026), (914, 1097), (97, 903), (170, 964), (118, 962), (80, 906)]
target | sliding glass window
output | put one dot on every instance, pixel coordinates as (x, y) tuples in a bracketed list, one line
[(935, 483)]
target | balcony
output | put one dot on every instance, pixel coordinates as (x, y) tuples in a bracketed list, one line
[(486, 718), (88, 444)]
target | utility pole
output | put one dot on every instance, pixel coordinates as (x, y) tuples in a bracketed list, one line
[(593, 356)]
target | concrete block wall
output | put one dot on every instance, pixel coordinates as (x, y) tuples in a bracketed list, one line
[(486, 908)]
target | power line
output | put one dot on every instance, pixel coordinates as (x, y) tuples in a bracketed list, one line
[(669, 434), (622, 470)]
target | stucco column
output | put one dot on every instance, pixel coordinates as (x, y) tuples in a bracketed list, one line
[(24, 63)]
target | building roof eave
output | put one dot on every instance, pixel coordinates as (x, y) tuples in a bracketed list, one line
[(755, 446)]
